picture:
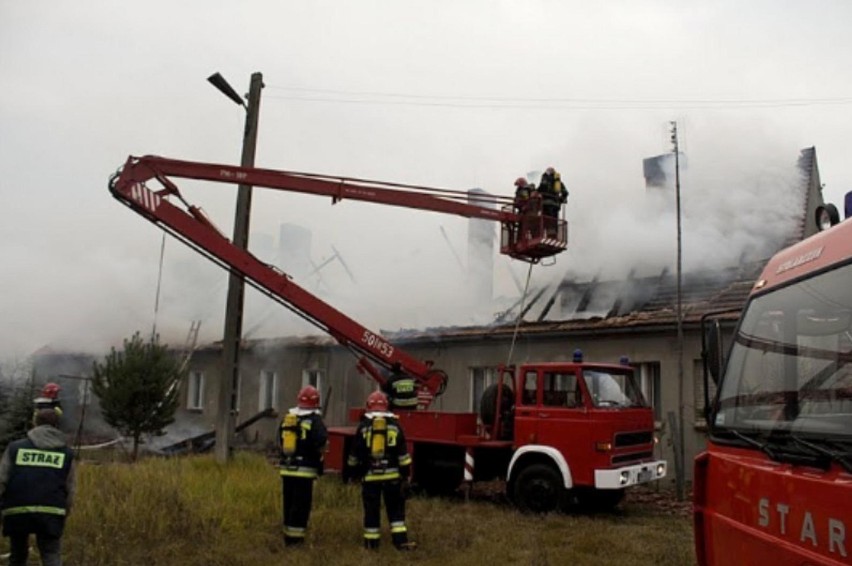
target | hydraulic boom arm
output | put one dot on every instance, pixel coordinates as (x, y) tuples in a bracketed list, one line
[(527, 237)]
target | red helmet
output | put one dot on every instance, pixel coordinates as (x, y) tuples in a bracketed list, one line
[(50, 390), (309, 398), (377, 401), (520, 182)]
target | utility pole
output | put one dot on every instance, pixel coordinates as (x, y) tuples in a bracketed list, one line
[(230, 373), (680, 455)]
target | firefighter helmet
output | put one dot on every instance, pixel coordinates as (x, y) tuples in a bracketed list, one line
[(550, 170), (50, 390), (309, 398), (377, 401), (520, 182)]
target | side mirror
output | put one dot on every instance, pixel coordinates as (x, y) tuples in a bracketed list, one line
[(713, 351)]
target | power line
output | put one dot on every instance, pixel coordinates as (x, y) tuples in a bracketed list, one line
[(459, 101)]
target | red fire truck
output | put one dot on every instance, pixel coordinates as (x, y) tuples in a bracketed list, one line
[(555, 431), (774, 485)]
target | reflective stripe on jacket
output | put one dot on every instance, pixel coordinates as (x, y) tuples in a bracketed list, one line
[(396, 460), (37, 488)]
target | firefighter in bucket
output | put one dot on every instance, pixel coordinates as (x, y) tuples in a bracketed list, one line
[(380, 459), (303, 440)]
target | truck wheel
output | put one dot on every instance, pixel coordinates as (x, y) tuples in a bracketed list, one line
[(590, 499), (538, 489)]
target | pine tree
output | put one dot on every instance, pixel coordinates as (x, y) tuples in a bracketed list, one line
[(137, 388)]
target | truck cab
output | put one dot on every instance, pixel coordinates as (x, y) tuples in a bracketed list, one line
[(587, 422), (565, 433), (774, 485)]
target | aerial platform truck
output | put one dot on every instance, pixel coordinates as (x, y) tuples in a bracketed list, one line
[(555, 432)]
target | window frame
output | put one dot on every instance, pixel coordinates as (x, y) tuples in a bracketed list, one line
[(267, 397), (195, 391)]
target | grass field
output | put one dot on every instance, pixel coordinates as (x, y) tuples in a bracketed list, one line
[(192, 511)]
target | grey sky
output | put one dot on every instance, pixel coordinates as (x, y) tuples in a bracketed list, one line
[(451, 94)]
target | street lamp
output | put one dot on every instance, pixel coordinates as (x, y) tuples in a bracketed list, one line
[(219, 82), (230, 375)]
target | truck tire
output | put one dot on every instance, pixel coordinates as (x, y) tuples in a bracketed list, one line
[(488, 403), (538, 489)]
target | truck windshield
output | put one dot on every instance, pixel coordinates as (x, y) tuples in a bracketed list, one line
[(613, 389), (790, 367)]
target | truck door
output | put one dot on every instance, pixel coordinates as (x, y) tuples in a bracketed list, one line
[(550, 411), (562, 421), (526, 409)]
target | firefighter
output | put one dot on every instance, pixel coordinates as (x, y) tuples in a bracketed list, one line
[(559, 187), (522, 194), (303, 438), (401, 390), (36, 490), (553, 195), (48, 398), (380, 459)]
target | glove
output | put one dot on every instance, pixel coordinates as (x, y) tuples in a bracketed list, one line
[(405, 489)]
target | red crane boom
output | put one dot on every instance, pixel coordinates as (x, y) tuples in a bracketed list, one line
[(529, 237)]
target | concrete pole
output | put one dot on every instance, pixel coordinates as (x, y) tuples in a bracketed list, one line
[(680, 457), (230, 374)]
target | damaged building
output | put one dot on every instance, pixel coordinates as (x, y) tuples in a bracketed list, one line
[(634, 316), (606, 317)]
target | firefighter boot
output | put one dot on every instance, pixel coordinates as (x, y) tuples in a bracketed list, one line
[(371, 543)]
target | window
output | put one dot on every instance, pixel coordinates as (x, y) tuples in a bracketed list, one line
[(268, 390), (480, 379), (312, 377), (195, 391), (84, 391), (560, 390), (613, 389), (530, 388), (648, 374)]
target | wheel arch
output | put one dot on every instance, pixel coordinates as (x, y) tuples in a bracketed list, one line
[(538, 454)]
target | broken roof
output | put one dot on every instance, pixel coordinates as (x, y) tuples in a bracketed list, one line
[(632, 303)]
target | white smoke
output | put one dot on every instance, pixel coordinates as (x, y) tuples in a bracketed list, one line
[(737, 204)]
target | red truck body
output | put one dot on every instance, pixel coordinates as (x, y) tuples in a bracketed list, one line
[(774, 485), (562, 439)]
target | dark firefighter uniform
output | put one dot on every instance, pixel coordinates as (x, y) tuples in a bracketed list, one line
[(36, 489), (300, 466), (401, 390), (553, 192), (380, 458)]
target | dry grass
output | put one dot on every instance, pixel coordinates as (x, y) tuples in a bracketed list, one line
[(192, 511)]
